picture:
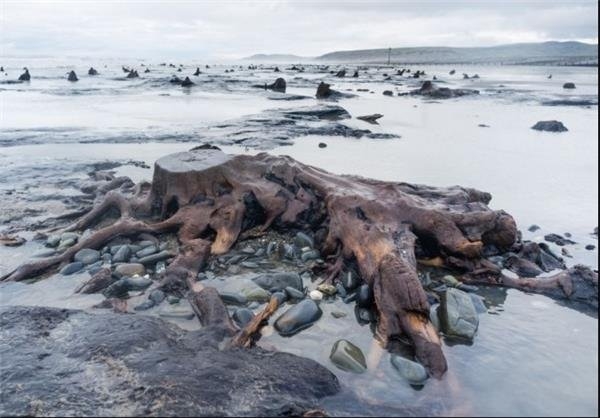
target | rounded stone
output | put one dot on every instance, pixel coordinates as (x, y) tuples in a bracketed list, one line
[(130, 269), (146, 251), (136, 283), (71, 268), (310, 255), (66, 243), (458, 316), (231, 298), (157, 296), (280, 296), (450, 281), (413, 372), (327, 289), (147, 304), (315, 295), (364, 296), (294, 293), (341, 290), (298, 317), (87, 256), (44, 253), (303, 240), (242, 316), (177, 312), (279, 281), (53, 241), (348, 357), (122, 254), (256, 294)]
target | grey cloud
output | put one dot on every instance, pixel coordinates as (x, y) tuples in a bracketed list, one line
[(227, 29)]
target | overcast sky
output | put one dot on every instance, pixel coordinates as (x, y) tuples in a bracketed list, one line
[(234, 29)]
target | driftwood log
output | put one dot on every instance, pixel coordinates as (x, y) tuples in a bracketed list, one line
[(209, 198)]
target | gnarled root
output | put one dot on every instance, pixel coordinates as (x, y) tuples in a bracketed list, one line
[(211, 198)]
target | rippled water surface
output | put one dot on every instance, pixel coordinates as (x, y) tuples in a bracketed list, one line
[(531, 356)]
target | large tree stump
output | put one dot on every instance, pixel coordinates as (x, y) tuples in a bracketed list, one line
[(209, 198)]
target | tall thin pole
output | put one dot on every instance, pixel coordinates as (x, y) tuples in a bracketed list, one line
[(389, 55)]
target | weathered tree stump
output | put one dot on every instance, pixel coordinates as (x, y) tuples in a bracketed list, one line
[(209, 198)]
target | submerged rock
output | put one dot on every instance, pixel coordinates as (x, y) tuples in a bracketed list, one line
[(478, 303), (550, 126), (121, 287), (71, 268), (136, 283), (53, 241), (157, 296), (92, 71), (413, 372), (522, 267), (558, 239), (348, 357), (457, 314), (329, 112), (148, 367), (298, 317), (569, 85), (87, 256), (279, 281), (144, 306), (570, 102)]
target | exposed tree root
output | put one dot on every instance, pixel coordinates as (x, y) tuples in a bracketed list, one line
[(210, 198), (245, 338)]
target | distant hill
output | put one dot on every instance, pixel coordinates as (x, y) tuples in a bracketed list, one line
[(546, 53), (525, 53), (277, 58)]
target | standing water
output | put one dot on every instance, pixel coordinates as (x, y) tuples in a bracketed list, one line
[(530, 356)]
